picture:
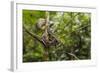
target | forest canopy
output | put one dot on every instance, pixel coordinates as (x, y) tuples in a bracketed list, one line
[(56, 36)]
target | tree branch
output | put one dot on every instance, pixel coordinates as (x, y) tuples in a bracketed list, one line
[(33, 35), (73, 55)]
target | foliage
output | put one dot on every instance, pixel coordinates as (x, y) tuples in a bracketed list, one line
[(72, 30)]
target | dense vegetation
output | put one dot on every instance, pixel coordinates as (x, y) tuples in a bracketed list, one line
[(63, 36)]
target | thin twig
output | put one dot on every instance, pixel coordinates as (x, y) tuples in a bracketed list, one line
[(73, 56), (82, 28)]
